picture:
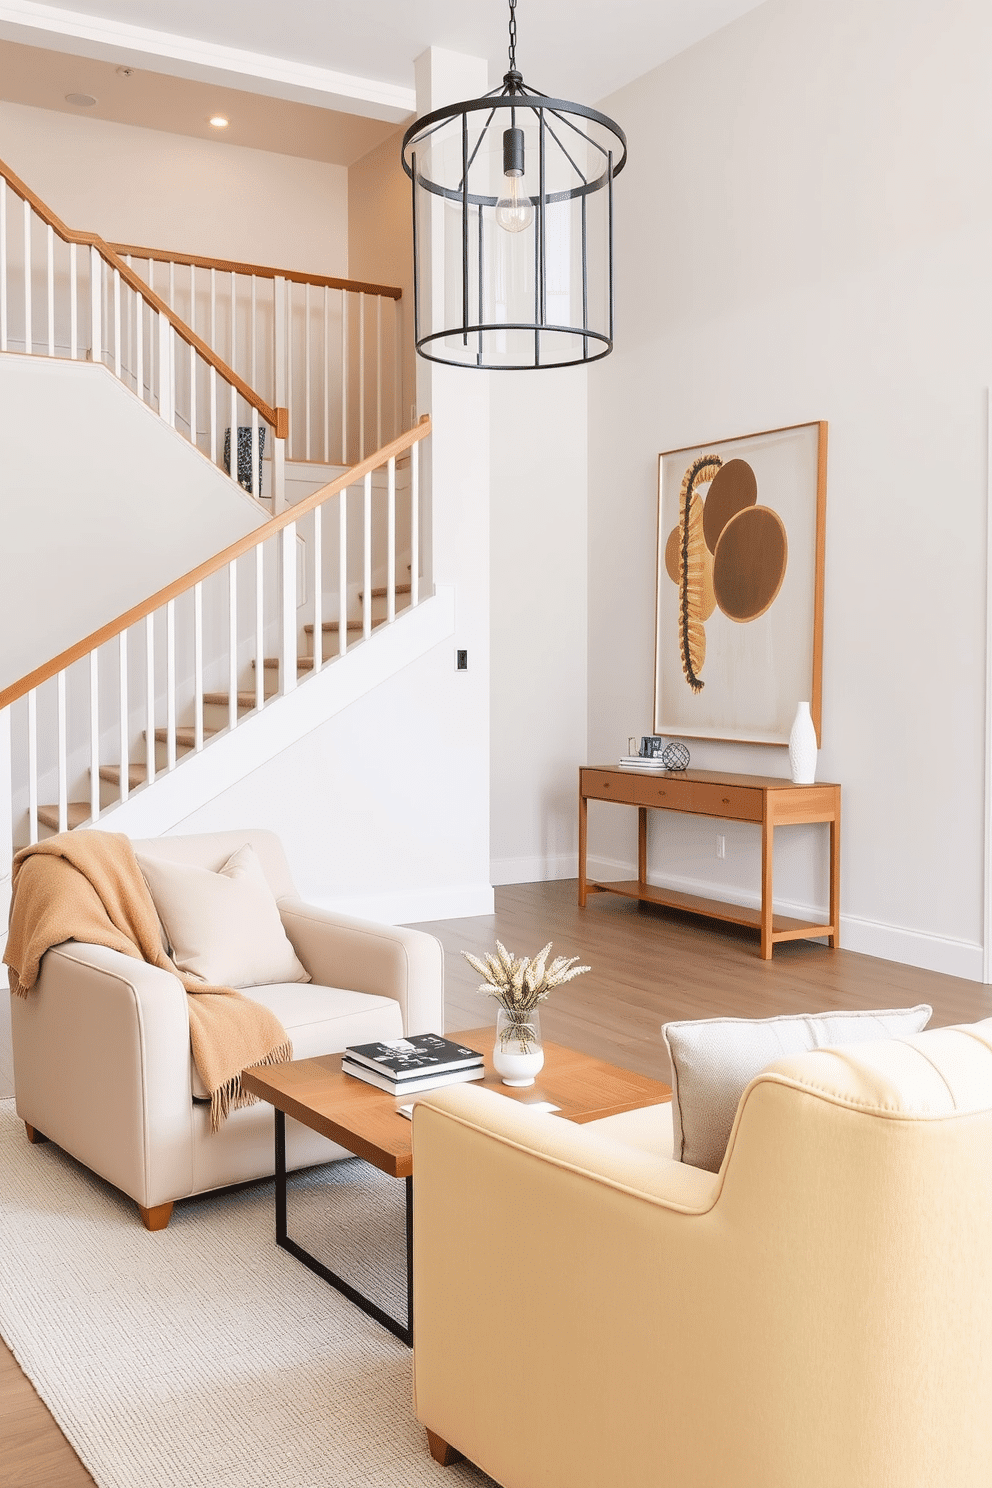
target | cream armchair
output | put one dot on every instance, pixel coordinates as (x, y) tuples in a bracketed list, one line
[(816, 1315), (101, 1046)]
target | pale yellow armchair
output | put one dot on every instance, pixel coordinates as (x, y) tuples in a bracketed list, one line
[(818, 1314)]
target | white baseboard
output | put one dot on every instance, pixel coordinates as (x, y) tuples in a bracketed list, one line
[(940, 953), (535, 869), (413, 906)]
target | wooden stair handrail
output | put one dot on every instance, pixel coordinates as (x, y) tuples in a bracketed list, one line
[(380, 457), (260, 271), (278, 418)]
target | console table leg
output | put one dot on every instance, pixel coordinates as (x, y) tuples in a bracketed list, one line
[(642, 845), (833, 940), (583, 829), (767, 876)]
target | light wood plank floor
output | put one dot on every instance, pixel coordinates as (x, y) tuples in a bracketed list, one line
[(648, 966)]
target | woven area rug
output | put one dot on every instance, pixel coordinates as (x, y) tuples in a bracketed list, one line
[(204, 1355)]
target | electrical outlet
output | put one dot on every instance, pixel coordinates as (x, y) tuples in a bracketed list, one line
[(721, 847), (461, 661)]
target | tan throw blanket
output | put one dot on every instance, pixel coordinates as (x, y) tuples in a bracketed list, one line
[(87, 886)]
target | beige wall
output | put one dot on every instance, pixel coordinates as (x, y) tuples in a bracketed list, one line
[(161, 190), (804, 232), (380, 241)]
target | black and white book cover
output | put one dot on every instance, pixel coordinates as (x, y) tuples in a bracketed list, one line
[(420, 1054)]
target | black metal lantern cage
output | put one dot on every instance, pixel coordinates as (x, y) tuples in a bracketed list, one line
[(513, 230)]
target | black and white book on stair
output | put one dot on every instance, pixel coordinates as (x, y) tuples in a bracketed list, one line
[(421, 1062)]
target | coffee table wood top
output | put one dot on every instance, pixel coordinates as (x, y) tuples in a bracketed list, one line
[(366, 1121)]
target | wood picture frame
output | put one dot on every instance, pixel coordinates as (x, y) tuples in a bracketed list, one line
[(739, 611)]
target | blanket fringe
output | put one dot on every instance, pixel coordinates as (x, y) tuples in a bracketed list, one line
[(231, 1097)]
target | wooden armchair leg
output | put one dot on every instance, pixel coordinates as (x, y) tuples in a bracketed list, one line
[(34, 1135), (440, 1450), (156, 1218)]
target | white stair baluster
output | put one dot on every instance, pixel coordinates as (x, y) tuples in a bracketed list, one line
[(415, 524), (293, 420), (124, 721), (232, 644), (378, 371), (33, 765), (391, 541), (306, 365), (198, 667), (233, 416), (150, 698), (318, 585), (117, 322), (170, 685), (28, 332), (73, 304), (397, 367), (193, 419), (96, 306), (172, 286), (254, 332), (212, 391), (51, 294), (287, 647), (344, 377), (256, 457), (164, 367), (260, 626), (234, 322), (367, 561), (327, 379), (342, 571), (139, 345), (361, 374), (94, 734), (63, 767)]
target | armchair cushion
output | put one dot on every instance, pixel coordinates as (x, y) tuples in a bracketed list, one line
[(323, 1020), (223, 927), (714, 1059)]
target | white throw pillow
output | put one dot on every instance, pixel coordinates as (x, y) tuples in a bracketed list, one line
[(223, 927), (715, 1059)]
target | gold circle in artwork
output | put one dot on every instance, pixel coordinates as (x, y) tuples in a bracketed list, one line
[(749, 563), (707, 600), (732, 489)]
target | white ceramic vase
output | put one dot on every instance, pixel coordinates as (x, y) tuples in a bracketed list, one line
[(518, 1054), (802, 747)]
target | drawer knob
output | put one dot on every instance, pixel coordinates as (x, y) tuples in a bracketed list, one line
[(726, 801)]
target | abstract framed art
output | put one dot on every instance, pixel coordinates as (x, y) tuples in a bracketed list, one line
[(739, 624)]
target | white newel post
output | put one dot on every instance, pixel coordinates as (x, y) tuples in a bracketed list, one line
[(278, 475), (96, 306)]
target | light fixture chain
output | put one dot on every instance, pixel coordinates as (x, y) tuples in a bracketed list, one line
[(513, 35)]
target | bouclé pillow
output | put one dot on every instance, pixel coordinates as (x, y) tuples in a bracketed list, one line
[(715, 1059), (222, 927)]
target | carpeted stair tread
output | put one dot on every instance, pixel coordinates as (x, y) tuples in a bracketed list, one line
[(246, 699), (136, 775), (77, 812), (382, 591), (186, 737)]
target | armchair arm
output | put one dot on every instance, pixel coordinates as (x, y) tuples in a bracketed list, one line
[(363, 956), (102, 1067)]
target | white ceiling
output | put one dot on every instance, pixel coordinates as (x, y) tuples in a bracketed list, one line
[(359, 54)]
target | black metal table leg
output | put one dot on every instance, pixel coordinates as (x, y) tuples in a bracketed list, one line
[(402, 1331)]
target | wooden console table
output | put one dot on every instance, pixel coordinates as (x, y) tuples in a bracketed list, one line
[(755, 798)]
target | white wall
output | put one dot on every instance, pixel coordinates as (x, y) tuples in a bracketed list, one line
[(538, 566), (159, 190), (803, 233), (101, 504)]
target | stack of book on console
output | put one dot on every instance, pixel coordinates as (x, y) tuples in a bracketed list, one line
[(421, 1062), (642, 762)]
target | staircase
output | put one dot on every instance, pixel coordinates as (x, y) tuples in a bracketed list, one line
[(197, 667)]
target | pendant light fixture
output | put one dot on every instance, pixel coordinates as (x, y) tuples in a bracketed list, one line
[(513, 228)]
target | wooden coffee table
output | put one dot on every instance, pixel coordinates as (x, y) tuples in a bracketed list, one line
[(365, 1120)]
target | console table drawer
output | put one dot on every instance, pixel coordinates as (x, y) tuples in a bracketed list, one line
[(733, 802), (605, 785)]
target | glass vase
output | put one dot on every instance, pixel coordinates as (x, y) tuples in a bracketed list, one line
[(518, 1053)]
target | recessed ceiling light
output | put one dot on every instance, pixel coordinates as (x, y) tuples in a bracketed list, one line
[(81, 100), (218, 121)]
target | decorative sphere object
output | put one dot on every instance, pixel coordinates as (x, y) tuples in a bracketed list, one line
[(675, 756)]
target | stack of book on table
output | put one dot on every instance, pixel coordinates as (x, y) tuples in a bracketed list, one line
[(422, 1062)]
